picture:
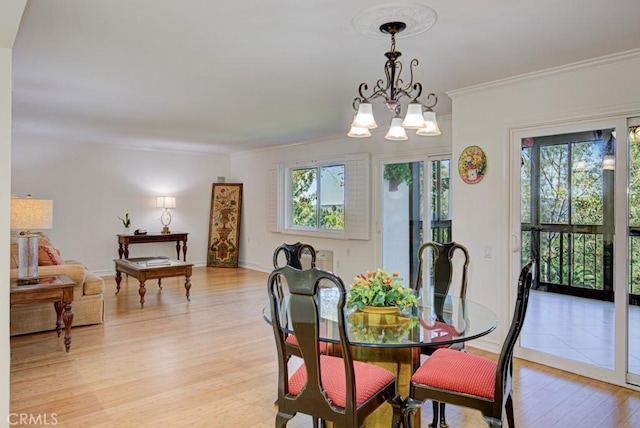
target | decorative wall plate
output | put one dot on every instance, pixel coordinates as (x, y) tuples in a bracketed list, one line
[(472, 164)]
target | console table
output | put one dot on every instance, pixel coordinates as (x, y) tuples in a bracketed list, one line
[(177, 237)]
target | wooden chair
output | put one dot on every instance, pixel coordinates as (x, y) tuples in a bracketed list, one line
[(329, 388), (442, 265), (463, 379), (293, 255)]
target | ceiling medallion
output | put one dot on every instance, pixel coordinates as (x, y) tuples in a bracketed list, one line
[(418, 19)]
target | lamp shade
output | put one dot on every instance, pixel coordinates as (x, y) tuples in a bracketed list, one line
[(364, 118), (414, 118), (356, 132), (28, 213), (165, 202), (431, 125), (609, 162), (396, 131)]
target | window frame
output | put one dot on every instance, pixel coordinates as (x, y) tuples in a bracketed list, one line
[(288, 207), (357, 212)]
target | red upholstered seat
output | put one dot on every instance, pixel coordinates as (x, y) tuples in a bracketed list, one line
[(458, 371), (370, 380), (450, 376), (291, 340)]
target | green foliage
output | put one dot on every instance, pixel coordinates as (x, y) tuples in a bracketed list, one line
[(126, 221), (400, 172), (303, 198), (332, 218), (379, 288)]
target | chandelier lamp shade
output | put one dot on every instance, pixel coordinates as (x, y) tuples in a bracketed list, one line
[(166, 203), (420, 115)]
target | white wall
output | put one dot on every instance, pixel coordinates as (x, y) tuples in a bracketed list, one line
[(91, 185), (251, 168), (5, 185), (485, 116), (10, 15)]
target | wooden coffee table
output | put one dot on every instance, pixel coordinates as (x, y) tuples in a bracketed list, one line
[(55, 288), (144, 268)]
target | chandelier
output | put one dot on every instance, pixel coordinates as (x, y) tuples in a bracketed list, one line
[(392, 89)]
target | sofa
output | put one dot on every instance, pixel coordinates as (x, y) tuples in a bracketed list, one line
[(88, 293)]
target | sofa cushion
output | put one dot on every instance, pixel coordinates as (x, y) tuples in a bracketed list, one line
[(93, 284), (47, 255)]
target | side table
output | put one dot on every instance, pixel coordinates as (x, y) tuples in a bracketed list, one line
[(57, 289)]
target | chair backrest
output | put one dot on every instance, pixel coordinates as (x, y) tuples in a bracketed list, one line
[(294, 253), (443, 267), (505, 361), (304, 306)]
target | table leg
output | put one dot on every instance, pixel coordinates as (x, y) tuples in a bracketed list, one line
[(67, 316), (160, 283), (118, 279), (120, 250), (187, 284), (126, 251), (184, 250), (141, 292), (58, 306)]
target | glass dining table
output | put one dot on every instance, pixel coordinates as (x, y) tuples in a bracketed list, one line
[(395, 340)]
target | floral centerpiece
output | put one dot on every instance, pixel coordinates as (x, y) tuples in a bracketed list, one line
[(379, 289)]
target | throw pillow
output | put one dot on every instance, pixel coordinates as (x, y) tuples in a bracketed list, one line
[(47, 255)]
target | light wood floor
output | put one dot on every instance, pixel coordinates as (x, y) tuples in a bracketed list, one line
[(211, 363)]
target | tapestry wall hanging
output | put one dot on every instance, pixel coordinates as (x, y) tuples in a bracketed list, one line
[(224, 225)]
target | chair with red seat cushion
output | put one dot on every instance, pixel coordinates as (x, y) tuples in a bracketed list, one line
[(441, 269), (329, 388), (294, 254), (462, 379)]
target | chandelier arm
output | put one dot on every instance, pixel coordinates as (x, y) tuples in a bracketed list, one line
[(363, 87), (431, 106), (417, 87)]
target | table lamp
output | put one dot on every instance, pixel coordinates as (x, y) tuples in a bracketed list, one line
[(26, 214), (165, 202)]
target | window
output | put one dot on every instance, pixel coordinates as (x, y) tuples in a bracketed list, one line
[(327, 198), (317, 197), (440, 198)]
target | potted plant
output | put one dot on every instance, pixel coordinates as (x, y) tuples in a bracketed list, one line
[(379, 289), (126, 222)]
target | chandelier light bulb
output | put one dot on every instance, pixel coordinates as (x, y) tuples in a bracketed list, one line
[(396, 131), (414, 118), (364, 118)]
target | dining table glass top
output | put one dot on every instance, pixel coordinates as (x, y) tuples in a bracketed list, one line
[(436, 321)]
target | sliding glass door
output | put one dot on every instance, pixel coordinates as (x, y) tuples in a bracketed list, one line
[(405, 211), (633, 315)]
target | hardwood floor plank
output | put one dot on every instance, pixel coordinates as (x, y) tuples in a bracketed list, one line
[(211, 362)]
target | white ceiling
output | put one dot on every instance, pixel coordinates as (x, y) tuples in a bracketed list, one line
[(212, 76)]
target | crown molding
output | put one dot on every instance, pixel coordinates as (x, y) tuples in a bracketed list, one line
[(630, 55)]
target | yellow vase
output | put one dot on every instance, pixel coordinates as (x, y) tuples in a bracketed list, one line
[(382, 310)]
